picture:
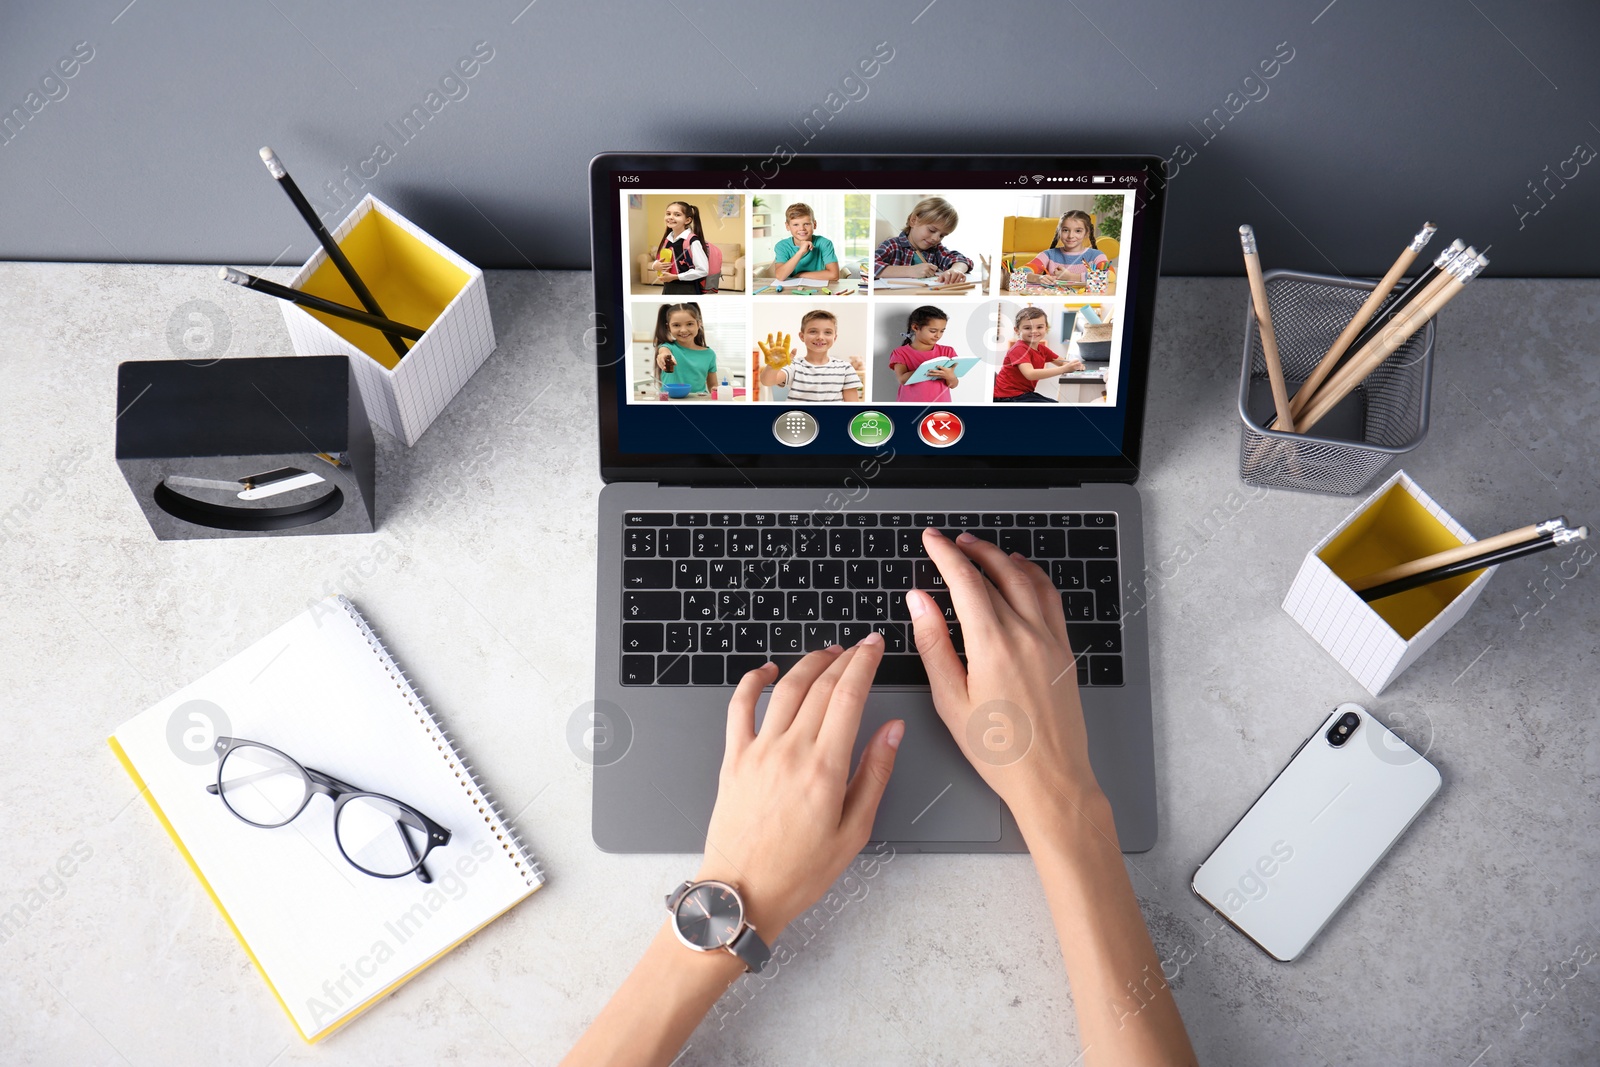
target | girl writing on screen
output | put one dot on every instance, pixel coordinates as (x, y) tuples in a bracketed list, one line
[(924, 327), (681, 353)]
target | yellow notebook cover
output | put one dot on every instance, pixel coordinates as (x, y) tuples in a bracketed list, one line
[(329, 939)]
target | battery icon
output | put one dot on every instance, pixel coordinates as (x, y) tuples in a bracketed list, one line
[(1101, 179)]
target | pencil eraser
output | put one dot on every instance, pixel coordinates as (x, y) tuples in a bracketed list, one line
[(270, 158)]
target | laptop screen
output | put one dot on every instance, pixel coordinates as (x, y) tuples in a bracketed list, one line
[(982, 312)]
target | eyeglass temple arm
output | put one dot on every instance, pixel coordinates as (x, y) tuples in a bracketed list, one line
[(411, 850)]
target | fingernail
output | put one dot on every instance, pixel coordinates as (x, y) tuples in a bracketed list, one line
[(916, 605), (1019, 557), (965, 539), (934, 531), (835, 649), (897, 730), (874, 638)]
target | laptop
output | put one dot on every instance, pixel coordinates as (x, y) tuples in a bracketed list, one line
[(761, 504)]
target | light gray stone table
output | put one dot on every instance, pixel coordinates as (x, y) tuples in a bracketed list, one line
[(1473, 943)]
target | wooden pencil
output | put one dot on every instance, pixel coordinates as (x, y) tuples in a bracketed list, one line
[(1345, 373), (1385, 286), (1410, 293), (1482, 561), (1462, 271), (1457, 554), (1269, 340)]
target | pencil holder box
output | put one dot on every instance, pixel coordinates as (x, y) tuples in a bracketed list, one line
[(417, 281), (1376, 641), (253, 447), (1385, 416)]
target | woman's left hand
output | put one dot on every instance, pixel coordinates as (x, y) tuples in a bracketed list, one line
[(789, 816)]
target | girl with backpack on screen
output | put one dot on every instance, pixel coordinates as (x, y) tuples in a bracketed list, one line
[(691, 265)]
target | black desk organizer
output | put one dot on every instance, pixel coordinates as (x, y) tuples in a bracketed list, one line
[(260, 447)]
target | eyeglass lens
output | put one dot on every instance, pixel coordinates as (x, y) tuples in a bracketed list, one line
[(261, 786), (380, 837)]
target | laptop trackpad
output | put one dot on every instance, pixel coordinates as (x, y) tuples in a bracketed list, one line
[(934, 794)]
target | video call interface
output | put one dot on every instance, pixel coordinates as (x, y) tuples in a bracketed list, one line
[(843, 310)]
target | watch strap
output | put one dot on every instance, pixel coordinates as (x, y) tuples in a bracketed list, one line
[(749, 947)]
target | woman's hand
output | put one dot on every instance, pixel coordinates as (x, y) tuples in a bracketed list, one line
[(789, 816), (1014, 707)]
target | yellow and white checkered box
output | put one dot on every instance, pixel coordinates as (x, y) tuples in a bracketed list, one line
[(418, 282), (1376, 641)]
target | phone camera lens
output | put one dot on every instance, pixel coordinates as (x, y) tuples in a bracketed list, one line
[(1342, 728)]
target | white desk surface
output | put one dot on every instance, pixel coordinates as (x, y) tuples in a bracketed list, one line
[(1473, 943)]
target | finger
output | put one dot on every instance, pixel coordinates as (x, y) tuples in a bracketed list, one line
[(808, 719), (865, 791), (742, 707), (1055, 618), (1005, 575), (841, 720), (977, 610), (791, 689), (946, 675)]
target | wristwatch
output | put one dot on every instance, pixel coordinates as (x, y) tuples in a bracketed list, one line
[(709, 915)]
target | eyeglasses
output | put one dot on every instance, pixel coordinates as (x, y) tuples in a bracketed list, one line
[(378, 835)]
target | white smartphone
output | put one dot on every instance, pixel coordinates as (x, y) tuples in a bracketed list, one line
[(1344, 799)]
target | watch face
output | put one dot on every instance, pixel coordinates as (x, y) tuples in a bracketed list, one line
[(709, 916)]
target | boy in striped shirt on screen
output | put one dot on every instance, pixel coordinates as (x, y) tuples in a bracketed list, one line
[(817, 377)]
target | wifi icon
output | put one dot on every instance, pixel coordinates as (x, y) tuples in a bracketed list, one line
[(1038, 178)]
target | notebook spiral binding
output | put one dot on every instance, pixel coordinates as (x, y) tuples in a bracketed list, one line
[(506, 834)]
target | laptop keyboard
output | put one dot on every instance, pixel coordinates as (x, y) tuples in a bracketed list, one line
[(707, 596)]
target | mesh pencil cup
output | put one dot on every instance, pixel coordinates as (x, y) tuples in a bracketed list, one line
[(417, 281), (1384, 417)]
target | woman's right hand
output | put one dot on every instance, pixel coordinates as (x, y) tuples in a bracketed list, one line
[(1014, 708)]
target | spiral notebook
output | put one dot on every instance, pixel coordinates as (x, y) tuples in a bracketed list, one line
[(330, 940)]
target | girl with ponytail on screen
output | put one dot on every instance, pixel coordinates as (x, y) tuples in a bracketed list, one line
[(924, 327), (686, 265), (1072, 253)]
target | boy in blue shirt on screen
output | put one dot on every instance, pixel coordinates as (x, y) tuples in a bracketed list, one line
[(804, 254)]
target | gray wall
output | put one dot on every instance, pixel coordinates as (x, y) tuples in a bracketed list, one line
[(1386, 115)]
